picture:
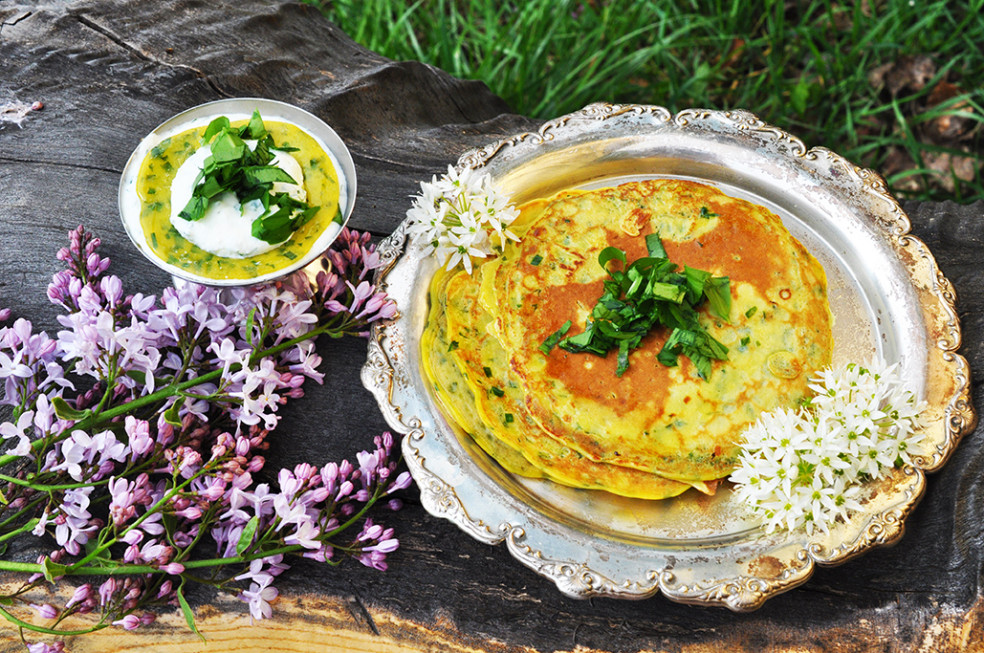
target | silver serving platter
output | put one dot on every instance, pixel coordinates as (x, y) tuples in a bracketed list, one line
[(887, 296)]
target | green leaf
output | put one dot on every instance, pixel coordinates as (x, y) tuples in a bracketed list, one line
[(696, 280), (718, 291), (214, 127), (171, 415), (623, 358), (246, 538), (611, 254), (555, 337), (64, 411), (255, 130), (250, 322), (195, 208), (655, 246), (668, 291), (267, 175), (189, 614), (52, 570), (227, 147)]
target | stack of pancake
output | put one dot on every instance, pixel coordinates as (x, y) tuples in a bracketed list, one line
[(568, 417)]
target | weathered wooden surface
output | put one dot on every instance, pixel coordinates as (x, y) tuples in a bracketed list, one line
[(108, 72)]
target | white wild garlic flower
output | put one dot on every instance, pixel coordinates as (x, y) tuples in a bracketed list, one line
[(460, 216), (805, 469)]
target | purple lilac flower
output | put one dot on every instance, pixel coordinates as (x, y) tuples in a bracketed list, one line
[(74, 523), (44, 647), (132, 345)]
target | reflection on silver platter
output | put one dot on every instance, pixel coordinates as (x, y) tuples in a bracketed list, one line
[(887, 296)]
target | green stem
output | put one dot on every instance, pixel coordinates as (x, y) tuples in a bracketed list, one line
[(23, 529), (97, 419), (49, 631), (150, 511), (126, 570), (51, 488)]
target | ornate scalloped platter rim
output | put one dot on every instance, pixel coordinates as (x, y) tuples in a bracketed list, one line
[(692, 549)]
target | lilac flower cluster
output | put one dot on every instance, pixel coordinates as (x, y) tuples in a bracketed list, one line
[(137, 437)]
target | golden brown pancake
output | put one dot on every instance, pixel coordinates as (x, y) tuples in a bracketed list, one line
[(570, 416), (453, 391), (500, 404)]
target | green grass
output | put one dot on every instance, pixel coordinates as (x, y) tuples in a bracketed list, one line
[(803, 66)]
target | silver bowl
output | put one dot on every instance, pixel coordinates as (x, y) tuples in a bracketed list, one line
[(235, 109)]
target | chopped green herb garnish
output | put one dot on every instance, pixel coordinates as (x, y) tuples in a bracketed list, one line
[(705, 213), (453, 345), (536, 260), (750, 312), (555, 337), (508, 418), (498, 392), (159, 149), (643, 295), (235, 167), (488, 371), (745, 341)]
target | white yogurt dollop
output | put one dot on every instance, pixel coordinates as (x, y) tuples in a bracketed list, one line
[(226, 227)]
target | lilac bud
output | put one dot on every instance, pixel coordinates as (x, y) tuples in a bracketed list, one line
[(215, 491), (173, 568), (129, 622), (319, 495), (107, 590), (345, 489), (165, 589), (46, 610), (81, 593), (191, 512)]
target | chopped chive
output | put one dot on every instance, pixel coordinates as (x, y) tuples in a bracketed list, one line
[(536, 260)]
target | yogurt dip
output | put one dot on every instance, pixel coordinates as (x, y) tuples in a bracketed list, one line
[(220, 246)]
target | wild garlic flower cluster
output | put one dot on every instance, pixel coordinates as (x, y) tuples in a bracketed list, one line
[(137, 436), (805, 468), (460, 216)]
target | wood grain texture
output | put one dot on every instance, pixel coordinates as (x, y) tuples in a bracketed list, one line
[(110, 71)]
